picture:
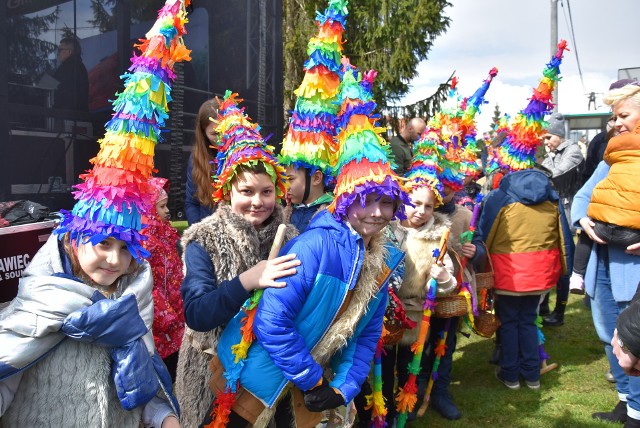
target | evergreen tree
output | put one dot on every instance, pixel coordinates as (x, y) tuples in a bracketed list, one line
[(389, 36)]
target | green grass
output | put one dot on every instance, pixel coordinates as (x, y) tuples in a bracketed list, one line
[(180, 226), (567, 397)]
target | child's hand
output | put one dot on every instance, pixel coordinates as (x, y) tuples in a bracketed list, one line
[(265, 273), (439, 273), (468, 250), (633, 249)]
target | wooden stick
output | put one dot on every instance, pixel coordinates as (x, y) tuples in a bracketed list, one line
[(277, 241)]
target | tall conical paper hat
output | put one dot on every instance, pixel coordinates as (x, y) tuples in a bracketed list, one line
[(310, 141), (363, 156), (240, 143), (523, 138), (116, 192), (425, 164)]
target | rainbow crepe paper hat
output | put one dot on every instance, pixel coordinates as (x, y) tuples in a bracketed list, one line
[(518, 149), (116, 192), (310, 141), (425, 165), (363, 155), (240, 143), (457, 129)]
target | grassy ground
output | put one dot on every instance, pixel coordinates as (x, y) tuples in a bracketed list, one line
[(568, 394)]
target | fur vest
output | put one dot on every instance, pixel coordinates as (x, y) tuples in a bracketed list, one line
[(418, 244), (234, 246)]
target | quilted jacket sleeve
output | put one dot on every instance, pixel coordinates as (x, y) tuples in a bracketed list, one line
[(274, 324)]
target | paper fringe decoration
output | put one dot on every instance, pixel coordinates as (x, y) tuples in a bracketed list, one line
[(310, 141), (363, 155), (240, 143), (456, 130), (116, 193), (376, 401), (426, 163), (517, 151)]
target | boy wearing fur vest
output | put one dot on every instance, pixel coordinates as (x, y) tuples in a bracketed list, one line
[(224, 254), (316, 337)]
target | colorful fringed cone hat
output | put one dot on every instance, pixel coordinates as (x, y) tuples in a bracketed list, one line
[(240, 143), (363, 157), (310, 140), (425, 165), (116, 192), (518, 149), (457, 130)]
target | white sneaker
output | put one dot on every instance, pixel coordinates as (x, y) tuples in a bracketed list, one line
[(576, 284)]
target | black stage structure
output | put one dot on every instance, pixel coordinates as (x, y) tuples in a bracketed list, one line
[(236, 45)]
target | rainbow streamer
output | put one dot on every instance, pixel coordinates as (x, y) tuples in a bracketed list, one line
[(517, 152), (363, 155), (240, 143), (116, 193), (441, 349), (375, 401), (310, 142)]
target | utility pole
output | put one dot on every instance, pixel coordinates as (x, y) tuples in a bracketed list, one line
[(554, 45)]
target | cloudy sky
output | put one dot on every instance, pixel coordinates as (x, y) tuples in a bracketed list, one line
[(514, 35)]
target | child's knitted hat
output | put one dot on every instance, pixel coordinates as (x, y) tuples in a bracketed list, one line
[(363, 155), (240, 143), (116, 192), (310, 141), (518, 149)]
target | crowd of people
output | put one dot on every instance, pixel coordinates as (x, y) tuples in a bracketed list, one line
[(317, 277)]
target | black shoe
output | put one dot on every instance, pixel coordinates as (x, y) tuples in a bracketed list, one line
[(443, 404), (544, 309), (632, 423), (555, 319), (618, 414)]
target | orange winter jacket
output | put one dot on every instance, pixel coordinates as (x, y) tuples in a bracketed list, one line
[(616, 199)]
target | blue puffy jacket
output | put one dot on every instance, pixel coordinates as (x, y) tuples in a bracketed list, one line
[(292, 320)]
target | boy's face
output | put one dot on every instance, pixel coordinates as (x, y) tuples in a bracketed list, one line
[(105, 262), (424, 199), (373, 217), (297, 180), (162, 209), (253, 196)]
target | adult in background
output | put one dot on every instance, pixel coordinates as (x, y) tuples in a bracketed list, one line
[(72, 92), (564, 159), (613, 271), (198, 202), (402, 144)]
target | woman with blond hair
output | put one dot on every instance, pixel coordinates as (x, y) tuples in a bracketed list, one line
[(602, 208)]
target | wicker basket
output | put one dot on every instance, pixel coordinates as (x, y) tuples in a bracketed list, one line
[(486, 324), (450, 306), (394, 335), (484, 280)]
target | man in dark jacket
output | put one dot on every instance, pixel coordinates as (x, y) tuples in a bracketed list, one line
[(73, 88), (402, 144)]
